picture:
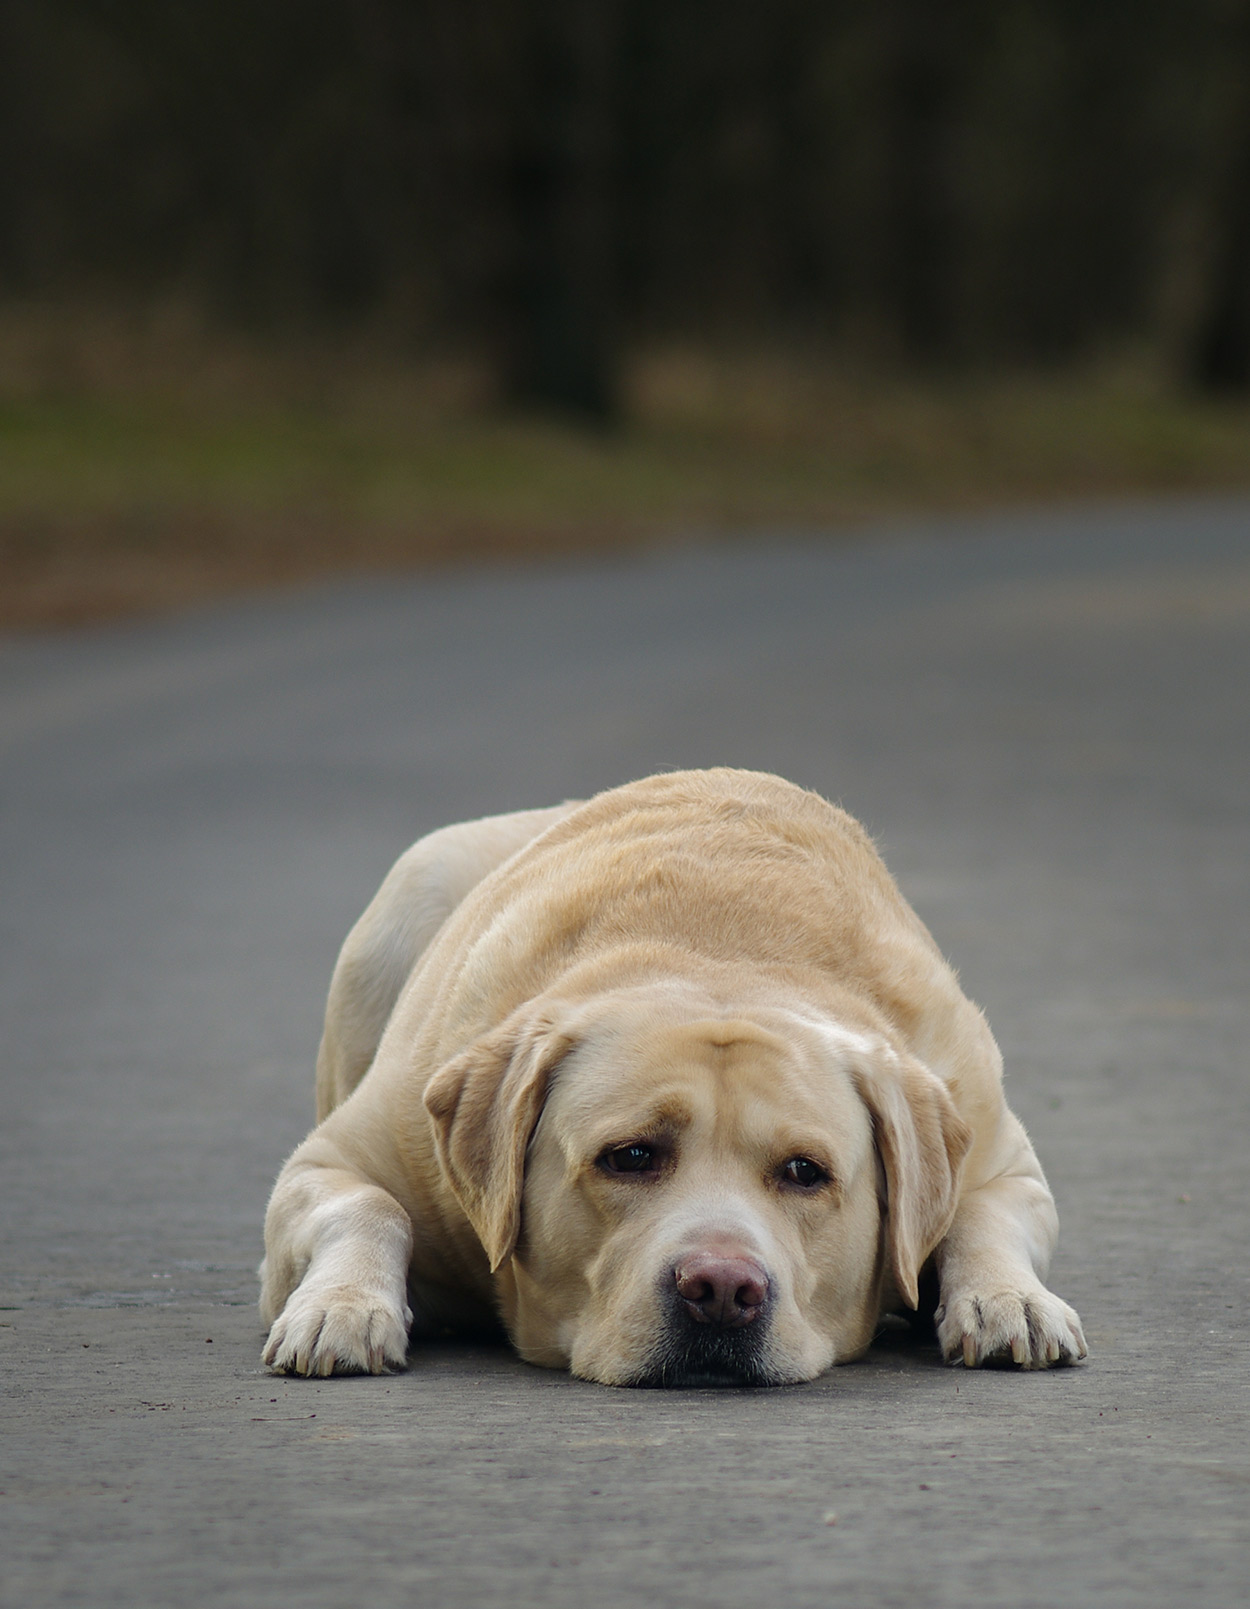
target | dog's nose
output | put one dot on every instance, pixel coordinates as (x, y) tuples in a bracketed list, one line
[(720, 1290)]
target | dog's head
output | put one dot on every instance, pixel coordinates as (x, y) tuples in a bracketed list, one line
[(671, 1195)]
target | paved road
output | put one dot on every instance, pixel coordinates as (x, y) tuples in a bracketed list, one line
[(1044, 721)]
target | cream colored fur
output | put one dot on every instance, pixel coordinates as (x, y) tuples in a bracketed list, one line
[(715, 966)]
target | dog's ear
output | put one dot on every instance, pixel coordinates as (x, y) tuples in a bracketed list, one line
[(485, 1105), (922, 1142)]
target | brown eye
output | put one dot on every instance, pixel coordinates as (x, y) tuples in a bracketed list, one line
[(629, 1159), (801, 1170)]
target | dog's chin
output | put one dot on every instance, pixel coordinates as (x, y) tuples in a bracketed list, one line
[(696, 1355)]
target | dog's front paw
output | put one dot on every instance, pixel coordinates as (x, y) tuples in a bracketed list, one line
[(1028, 1327), (340, 1329)]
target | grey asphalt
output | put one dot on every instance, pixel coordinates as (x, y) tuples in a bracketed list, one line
[(1044, 721)]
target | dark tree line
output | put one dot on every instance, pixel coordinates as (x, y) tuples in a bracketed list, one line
[(945, 181)]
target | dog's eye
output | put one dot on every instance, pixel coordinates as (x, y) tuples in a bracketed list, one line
[(801, 1170), (629, 1159)]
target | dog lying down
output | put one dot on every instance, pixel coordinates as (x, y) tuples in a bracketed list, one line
[(676, 1084)]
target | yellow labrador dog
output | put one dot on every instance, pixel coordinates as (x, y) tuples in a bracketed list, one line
[(674, 1083)]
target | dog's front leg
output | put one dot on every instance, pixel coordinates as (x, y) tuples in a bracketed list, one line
[(335, 1275), (994, 1306)]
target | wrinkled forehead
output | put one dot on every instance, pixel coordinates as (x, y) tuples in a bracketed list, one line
[(738, 1076)]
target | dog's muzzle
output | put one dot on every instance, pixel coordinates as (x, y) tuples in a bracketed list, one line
[(715, 1331)]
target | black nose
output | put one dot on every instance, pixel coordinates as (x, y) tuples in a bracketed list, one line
[(725, 1291)]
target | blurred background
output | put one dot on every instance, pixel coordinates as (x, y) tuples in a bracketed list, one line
[(288, 289)]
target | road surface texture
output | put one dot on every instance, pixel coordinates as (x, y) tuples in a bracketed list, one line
[(1043, 720)]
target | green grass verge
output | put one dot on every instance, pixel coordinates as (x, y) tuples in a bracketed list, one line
[(123, 489)]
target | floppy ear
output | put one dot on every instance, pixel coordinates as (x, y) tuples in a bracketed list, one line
[(922, 1141), (485, 1105)]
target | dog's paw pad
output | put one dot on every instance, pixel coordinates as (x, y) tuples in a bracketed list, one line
[(1030, 1329), (341, 1330)]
